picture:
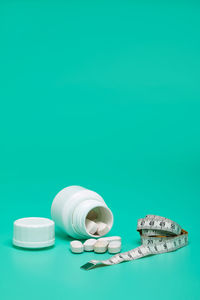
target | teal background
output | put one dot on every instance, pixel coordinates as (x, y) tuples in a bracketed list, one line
[(103, 94)]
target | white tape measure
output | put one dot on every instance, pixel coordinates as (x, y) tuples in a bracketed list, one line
[(158, 235)]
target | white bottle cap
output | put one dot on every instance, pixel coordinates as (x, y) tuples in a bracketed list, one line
[(34, 233)]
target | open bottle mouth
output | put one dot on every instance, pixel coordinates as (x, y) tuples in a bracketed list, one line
[(99, 218)]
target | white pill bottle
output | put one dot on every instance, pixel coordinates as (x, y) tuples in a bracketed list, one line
[(73, 205)]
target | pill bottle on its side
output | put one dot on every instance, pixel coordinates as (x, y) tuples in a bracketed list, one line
[(72, 206)]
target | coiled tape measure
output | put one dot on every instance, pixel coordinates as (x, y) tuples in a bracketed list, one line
[(158, 235)]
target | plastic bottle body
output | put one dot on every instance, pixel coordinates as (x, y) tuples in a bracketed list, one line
[(71, 207)]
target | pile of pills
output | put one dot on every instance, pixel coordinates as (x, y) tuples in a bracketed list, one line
[(94, 226), (112, 244)]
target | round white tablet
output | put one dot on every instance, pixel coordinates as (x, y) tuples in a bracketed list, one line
[(114, 247), (76, 247), (34, 232), (100, 246), (91, 226), (102, 228), (89, 244)]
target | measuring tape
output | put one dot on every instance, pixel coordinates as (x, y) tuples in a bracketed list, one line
[(158, 235)]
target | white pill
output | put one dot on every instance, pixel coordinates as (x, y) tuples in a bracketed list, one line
[(91, 226), (102, 228), (100, 246), (76, 247), (89, 244), (114, 247), (111, 239)]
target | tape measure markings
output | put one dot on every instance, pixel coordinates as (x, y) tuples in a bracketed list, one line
[(158, 235)]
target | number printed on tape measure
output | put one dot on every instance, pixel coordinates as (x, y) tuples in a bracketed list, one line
[(158, 235)]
